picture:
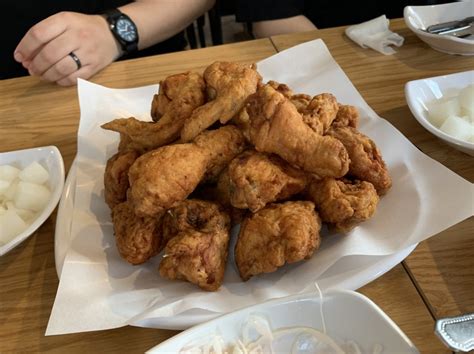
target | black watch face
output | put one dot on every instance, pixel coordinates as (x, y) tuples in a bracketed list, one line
[(126, 30)]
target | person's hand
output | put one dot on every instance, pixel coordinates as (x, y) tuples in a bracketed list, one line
[(46, 47)]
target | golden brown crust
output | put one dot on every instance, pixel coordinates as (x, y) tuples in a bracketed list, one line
[(198, 246), (256, 179), (184, 92), (116, 177), (223, 148), (366, 160), (137, 238), (162, 178), (343, 203), (275, 235), (277, 127), (347, 116), (229, 84)]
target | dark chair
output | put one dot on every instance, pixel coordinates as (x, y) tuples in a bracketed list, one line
[(215, 24)]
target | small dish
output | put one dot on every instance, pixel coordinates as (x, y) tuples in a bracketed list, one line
[(50, 157), (348, 316), (420, 92), (419, 18)]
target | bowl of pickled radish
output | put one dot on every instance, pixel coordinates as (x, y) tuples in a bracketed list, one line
[(31, 182), (444, 105)]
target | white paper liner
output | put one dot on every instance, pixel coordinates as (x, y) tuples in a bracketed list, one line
[(98, 290)]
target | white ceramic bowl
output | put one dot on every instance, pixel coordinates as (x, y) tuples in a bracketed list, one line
[(418, 18), (50, 157), (420, 92), (348, 316)]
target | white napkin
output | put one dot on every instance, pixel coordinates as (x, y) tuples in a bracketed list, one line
[(376, 35)]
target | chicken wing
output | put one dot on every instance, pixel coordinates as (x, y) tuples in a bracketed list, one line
[(366, 160), (162, 178), (256, 179), (228, 85), (342, 203), (275, 235), (184, 93), (277, 127), (137, 238), (198, 234), (116, 177)]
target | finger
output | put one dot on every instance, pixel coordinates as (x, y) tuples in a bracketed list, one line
[(52, 52), (40, 34), (84, 73), (62, 69)]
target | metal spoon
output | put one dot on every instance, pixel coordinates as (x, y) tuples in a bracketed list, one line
[(462, 28)]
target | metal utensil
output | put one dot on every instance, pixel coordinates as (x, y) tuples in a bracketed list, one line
[(457, 332), (462, 28)]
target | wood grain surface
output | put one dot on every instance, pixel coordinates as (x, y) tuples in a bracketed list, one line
[(34, 113)]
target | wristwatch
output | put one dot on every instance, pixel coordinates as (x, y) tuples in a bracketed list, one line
[(124, 30)]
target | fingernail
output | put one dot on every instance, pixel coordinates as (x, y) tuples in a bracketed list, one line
[(18, 57)]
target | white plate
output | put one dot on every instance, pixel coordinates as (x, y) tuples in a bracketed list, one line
[(49, 157), (420, 92), (347, 316), (349, 273), (418, 18)]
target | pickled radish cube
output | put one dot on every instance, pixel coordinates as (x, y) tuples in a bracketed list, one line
[(8, 172), (4, 185), (457, 128), (439, 111), (11, 191), (26, 215), (466, 98), (34, 173), (11, 225), (31, 196)]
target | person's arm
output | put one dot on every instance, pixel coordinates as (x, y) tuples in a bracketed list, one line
[(262, 29), (45, 49)]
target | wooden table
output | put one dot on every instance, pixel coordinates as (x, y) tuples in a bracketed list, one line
[(436, 280)]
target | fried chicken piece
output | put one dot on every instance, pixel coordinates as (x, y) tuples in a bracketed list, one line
[(198, 233), (275, 235), (347, 116), (282, 88), (232, 144), (184, 93), (228, 85), (320, 112), (277, 127), (342, 203), (300, 101), (116, 177), (137, 238), (255, 179), (366, 160), (162, 178)]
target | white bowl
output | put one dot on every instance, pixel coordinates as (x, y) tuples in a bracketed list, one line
[(420, 92), (50, 157), (418, 18), (347, 315)]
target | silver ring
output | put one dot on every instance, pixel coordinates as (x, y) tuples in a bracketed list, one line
[(76, 59)]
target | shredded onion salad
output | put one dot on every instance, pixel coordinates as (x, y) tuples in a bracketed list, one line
[(258, 337)]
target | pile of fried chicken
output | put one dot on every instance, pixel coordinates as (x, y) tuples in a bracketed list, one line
[(225, 148)]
